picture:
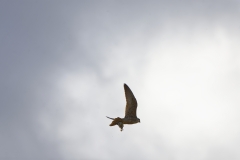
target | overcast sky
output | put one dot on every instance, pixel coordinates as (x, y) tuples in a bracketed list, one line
[(63, 65)]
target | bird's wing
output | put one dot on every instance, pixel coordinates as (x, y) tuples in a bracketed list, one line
[(131, 106)]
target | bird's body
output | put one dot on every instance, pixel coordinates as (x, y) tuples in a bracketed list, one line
[(130, 111)]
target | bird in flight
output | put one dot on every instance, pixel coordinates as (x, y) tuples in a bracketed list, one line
[(130, 111)]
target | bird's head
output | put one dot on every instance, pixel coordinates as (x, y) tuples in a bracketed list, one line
[(138, 120)]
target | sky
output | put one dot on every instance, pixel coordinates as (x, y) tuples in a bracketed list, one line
[(63, 65)]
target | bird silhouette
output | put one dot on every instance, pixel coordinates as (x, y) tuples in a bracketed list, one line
[(130, 110)]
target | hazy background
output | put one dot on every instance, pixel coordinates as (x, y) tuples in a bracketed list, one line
[(63, 65)]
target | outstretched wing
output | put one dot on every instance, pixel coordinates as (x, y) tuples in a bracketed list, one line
[(131, 107)]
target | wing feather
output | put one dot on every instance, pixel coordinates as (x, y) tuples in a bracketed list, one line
[(131, 106)]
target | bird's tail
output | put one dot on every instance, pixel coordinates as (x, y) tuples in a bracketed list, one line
[(115, 121), (110, 118)]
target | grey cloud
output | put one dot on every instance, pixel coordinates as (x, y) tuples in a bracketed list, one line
[(95, 46)]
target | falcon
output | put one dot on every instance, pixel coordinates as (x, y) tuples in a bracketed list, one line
[(130, 110)]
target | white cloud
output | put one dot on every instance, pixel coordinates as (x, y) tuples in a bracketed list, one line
[(181, 61), (184, 93)]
